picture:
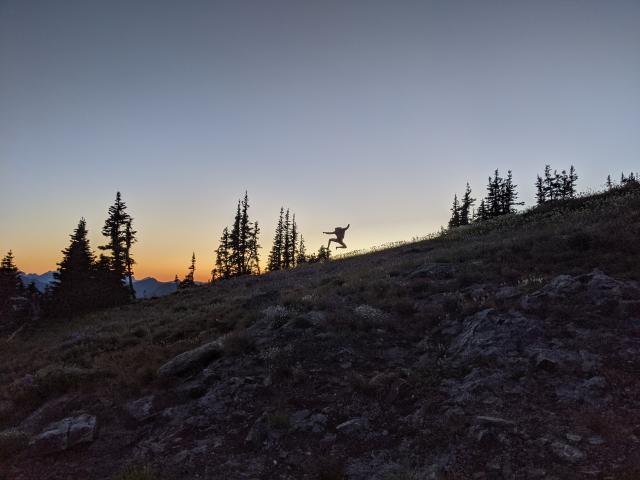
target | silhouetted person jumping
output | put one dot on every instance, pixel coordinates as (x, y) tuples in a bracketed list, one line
[(339, 233)]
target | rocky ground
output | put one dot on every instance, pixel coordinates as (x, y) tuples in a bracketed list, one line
[(387, 367)]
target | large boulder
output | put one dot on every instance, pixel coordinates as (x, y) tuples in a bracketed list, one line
[(65, 434), (595, 288), (494, 336), (434, 271), (191, 359)]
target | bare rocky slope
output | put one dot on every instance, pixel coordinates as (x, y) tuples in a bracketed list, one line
[(509, 349)]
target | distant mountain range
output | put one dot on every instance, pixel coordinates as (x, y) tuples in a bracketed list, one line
[(146, 288), (40, 281)]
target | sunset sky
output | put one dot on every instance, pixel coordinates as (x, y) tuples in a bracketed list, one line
[(368, 112)]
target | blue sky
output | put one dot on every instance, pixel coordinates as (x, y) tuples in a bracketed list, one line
[(364, 112)]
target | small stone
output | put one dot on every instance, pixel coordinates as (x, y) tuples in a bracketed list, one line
[(353, 425), (596, 383), (140, 409), (507, 293), (299, 416), (596, 440), (494, 421), (191, 359), (81, 430), (567, 452), (572, 437), (328, 438)]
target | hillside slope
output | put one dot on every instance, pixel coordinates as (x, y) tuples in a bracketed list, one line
[(508, 349)]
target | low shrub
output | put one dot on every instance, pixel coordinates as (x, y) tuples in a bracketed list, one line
[(238, 342), (137, 472)]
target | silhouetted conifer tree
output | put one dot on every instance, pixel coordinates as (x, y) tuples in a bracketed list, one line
[(234, 238), (508, 195), (275, 257), (482, 213), (302, 253), (465, 207), (493, 201), (548, 183), (286, 248), (188, 280), (246, 233), (324, 254), (76, 288), (454, 221), (631, 178), (557, 186), (293, 241), (223, 256), (10, 285), (571, 183), (540, 194), (253, 248), (609, 183), (120, 255), (501, 197), (238, 250), (129, 240)]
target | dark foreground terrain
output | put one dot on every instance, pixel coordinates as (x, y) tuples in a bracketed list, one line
[(508, 349)]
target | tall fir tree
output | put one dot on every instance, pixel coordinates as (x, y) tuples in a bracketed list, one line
[(302, 253), (188, 280), (115, 230), (482, 213), (76, 287), (10, 284), (454, 221), (508, 195), (293, 241), (540, 194), (556, 190), (253, 249), (235, 243), (286, 247), (571, 185), (223, 256), (556, 186), (324, 254), (493, 201), (275, 256), (466, 206), (609, 183), (548, 183), (129, 240), (245, 235), (237, 253)]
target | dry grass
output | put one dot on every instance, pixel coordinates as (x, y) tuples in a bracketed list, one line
[(357, 294)]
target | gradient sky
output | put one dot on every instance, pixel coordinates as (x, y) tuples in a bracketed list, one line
[(365, 112)]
